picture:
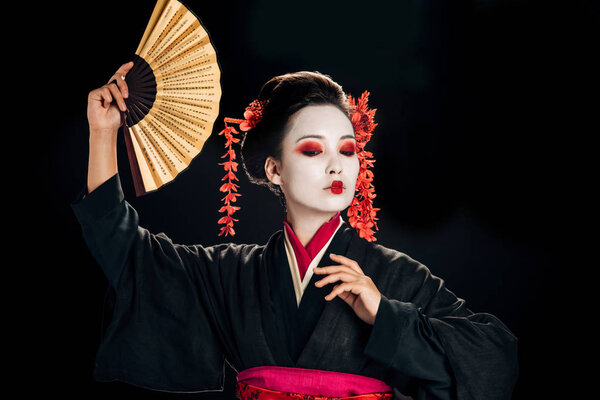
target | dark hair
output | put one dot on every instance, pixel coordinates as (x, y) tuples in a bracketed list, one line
[(284, 95)]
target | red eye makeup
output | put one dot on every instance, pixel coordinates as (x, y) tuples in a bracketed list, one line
[(348, 148), (314, 148), (309, 148)]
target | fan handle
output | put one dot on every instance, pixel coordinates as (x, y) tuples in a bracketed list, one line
[(136, 175)]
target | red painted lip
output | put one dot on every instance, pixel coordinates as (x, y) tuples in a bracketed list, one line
[(336, 187)]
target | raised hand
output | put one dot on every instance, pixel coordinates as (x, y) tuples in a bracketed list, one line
[(103, 115), (104, 118), (356, 289)]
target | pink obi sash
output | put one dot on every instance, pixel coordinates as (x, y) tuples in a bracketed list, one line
[(288, 380)]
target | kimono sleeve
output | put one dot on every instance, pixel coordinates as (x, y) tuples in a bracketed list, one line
[(482, 351), (162, 299), (432, 331), (403, 339)]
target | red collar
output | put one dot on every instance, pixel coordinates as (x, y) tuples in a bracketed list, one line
[(304, 256)]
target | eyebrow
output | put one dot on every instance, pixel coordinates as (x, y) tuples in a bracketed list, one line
[(322, 137)]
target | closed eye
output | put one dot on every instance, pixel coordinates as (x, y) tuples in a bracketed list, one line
[(310, 149), (348, 149), (310, 153)]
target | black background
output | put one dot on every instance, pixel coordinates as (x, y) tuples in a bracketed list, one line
[(484, 110)]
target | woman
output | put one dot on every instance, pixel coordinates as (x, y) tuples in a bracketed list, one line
[(318, 310)]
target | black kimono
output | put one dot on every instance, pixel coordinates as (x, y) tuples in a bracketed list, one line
[(178, 311)]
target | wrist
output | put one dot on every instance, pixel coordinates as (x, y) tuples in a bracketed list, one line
[(98, 135), (102, 142)]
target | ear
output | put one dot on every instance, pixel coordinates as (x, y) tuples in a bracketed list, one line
[(272, 167)]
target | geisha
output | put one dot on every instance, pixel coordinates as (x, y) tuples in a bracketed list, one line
[(319, 311)]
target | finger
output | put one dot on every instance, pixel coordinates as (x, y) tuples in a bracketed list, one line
[(116, 93), (119, 77), (343, 276), (97, 94), (124, 69), (333, 268), (341, 288), (346, 261), (119, 80), (105, 97)]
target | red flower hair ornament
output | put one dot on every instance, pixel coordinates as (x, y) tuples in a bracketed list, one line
[(361, 214), (252, 115)]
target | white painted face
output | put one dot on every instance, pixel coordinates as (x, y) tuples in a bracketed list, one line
[(318, 148)]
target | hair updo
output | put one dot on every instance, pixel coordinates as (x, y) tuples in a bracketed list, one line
[(284, 95)]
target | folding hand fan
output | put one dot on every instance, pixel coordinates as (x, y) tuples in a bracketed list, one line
[(174, 93)]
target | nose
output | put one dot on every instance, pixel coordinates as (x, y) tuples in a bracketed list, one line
[(334, 166)]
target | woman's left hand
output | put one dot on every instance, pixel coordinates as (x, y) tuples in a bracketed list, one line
[(356, 289)]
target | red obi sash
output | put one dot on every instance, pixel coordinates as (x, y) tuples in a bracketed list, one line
[(273, 383)]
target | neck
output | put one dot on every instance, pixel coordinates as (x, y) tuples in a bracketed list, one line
[(306, 223)]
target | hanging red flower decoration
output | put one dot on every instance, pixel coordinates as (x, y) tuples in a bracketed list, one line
[(361, 214), (229, 187), (252, 115)]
